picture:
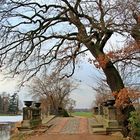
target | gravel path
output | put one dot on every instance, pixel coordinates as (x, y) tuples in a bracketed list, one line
[(57, 125), (71, 128), (71, 125)]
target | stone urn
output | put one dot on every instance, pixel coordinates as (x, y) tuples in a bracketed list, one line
[(28, 103), (95, 110), (37, 105), (110, 102), (104, 104)]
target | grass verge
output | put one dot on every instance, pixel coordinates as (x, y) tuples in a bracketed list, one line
[(83, 114)]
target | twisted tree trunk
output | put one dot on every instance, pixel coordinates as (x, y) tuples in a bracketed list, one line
[(116, 84)]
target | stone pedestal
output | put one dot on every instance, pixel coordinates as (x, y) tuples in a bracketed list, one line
[(95, 110), (111, 122), (105, 112), (36, 113), (27, 113), (36, 117), (107, 123), (27, 117), (111, 113), (101, 110), (31, 117)]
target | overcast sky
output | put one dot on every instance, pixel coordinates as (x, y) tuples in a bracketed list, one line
[(83, 95)]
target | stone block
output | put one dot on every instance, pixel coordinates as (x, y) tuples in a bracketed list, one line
[(26, 124), (27, 113), (36, 122), (31, 117)]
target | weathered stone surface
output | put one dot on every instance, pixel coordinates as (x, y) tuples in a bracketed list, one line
[(108, 121), (95, 110), (26, 124), (111, 113), (31, 117), (27, 113), (100, 110)]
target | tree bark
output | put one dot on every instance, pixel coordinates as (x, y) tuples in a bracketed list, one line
[(113, 77)]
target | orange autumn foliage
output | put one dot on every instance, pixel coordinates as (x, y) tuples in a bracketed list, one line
[(122, 98), (127, 53), (102, 59), (100, 62)]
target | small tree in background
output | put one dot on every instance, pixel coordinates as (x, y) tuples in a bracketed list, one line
[(53, 89), (9, 103), (13, 104), (70, 106), (5, 102)]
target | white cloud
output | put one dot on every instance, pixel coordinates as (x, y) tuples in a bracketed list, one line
[(83, 96), (7, 84)]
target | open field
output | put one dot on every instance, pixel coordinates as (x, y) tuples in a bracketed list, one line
[(83, 114)]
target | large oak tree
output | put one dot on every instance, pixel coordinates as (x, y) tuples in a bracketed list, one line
[(36, 33)]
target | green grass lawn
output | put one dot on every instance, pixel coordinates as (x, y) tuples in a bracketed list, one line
[(83, 114)]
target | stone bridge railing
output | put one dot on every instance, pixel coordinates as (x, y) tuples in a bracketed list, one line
[(108, 112), (31, 115)]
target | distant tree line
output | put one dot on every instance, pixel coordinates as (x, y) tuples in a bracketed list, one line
[(9, 103)]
